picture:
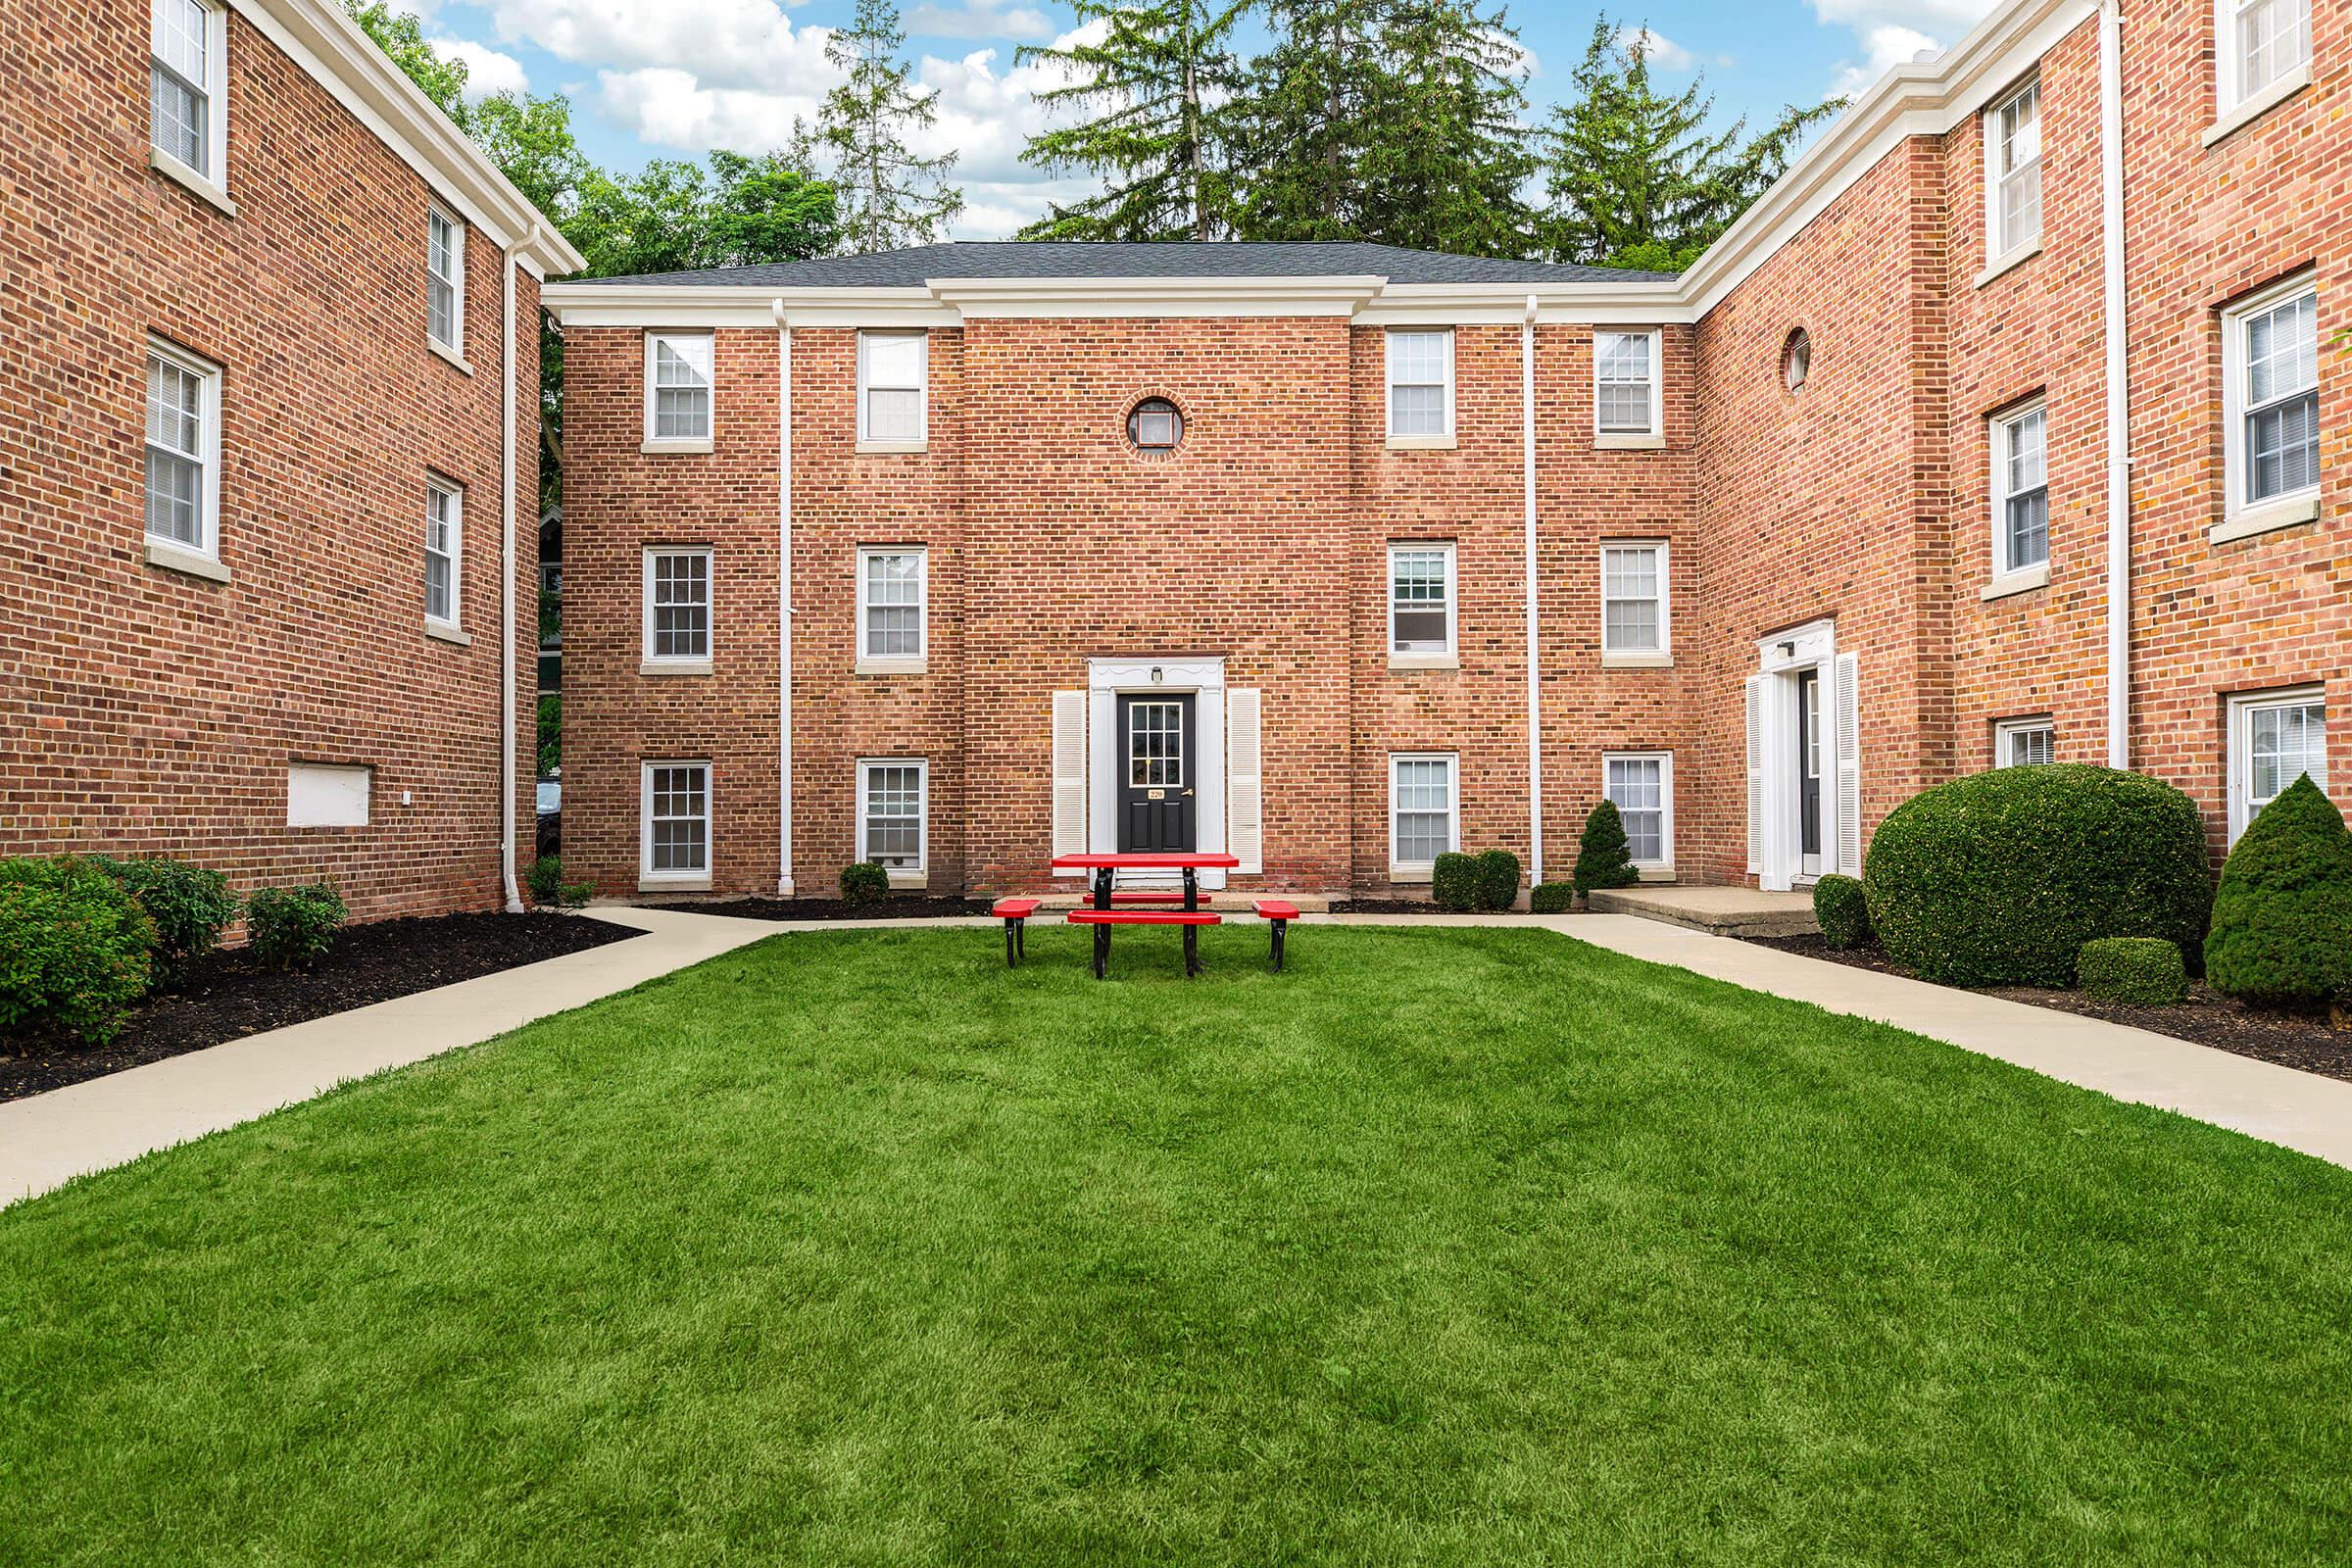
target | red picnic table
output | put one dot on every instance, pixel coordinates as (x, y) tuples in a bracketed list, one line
[(1105, 914)]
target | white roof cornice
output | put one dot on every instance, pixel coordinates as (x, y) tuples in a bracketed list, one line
[(979, 298)]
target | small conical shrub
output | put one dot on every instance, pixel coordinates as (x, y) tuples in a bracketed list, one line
[(2283, 920), (1604, 860)]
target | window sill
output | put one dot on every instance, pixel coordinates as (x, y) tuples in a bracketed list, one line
[(1424, 661), (908, 879), (2262, 103), (672, 884), (1637, 661), (2263, 520), (673, 448), (1420, 443), (674, 666), (1628, 443), (180, 558), (1661, 872), (163, 163), (2014, 259), (1408, 874), (892, 447), (446, 352), (447, 632), (894, 666), (2017, 582)]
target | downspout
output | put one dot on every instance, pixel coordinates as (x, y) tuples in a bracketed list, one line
[(506, 607), (783, 600), (1535, 680), (2119, 391)]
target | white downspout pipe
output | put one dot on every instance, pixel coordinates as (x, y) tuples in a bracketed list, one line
[(2119, 391), (508, 471), (783, 600), (1535, 678)]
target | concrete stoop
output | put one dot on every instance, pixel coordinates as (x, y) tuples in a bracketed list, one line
[(1718, 911)]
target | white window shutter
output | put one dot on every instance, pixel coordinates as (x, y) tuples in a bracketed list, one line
[(1755, 772), (1069, 774), (1849, 765), (1245, 797)]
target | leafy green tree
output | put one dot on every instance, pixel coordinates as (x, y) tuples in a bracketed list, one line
[(889, 196), (1637, 179), (1160, 87), (676, 215)]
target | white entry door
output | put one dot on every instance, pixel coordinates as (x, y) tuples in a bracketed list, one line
[(1803, 759)]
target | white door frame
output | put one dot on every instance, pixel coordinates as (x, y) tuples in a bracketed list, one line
[(1204, 680), (1784, 656)]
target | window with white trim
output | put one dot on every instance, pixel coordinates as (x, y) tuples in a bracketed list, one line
[(1420, 384), (1421, 606), (677, 386), (1634, 617), (444, 538), (2013, 173), (2261, 42), (894, 809), (2025, 742), (674, 840), (893, 375), (1423, 821), (678, 606), (2275, 739), (188, 85), (2021, 489), (2271, 364), (183, 450), (445, 279), (894, 613), (1640, 785), (1625, 383)]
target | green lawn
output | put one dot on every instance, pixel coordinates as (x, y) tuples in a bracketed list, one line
[(1475, 1245)]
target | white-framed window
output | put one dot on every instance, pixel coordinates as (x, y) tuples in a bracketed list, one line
[(1421, 601), (188, 85), (678, 606), (444, 548), (2270, 397), (2025, 742), (674, 822), (1640, 785), (893, 611), (893, 816), (894, 375), (1421, 384), (2275, 739), (183, 450), (1424, 814), (2021, 489), (677, 387), (2013, 173), (1626, 398), (1635, 620), (445, 279), (2261, 42)]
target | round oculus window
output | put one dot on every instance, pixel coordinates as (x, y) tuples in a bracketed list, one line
[(1797, 359), (1154, 425)]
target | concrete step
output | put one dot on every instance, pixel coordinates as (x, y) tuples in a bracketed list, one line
[(1718, 911)]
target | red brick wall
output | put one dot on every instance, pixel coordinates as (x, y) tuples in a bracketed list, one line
[(153, 712)]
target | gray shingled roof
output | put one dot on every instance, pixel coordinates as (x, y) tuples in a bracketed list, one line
[(912, 268)]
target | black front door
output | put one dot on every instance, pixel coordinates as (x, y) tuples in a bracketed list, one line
[(1155, 780), (1808, 768)]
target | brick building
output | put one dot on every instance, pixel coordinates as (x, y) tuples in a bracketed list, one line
[(268, 407)]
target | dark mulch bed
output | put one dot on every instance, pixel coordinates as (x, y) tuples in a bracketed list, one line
[(1389, 906), (229, 995), (2207, 1018), (905, 909)]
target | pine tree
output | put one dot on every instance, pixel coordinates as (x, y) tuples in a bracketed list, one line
[(889, 197), (2281, 929), (1636, 177), (1301, 126), (1160, 86), (1603, 857)]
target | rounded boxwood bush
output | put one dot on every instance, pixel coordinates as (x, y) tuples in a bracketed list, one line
[(291, 928), (2142, 970), (190, 906), (1551, 898), (74, 950), (1498, 879), (1840, 909), (1998, 879), (2283, 920), (863, 884), (1456, 882)]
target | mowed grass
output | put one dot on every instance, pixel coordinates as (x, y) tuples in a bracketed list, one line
[(1470, 1246)]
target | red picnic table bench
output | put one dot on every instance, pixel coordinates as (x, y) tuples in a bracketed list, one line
[(1112, 905)]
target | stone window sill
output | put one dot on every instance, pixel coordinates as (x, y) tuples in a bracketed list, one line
[(673, 884), (674, 666), (447, 353), (1637, 661), (2262, 103), (179, 558), (674, 448), (894, 666), (1628, 443), (902, 878), (2014, 259), (163, 163), (1424, 661), (2264, 519), (892, 447), (445, 631), (1420, 443), (1407, 875), (2017, 582), (1655, 873)]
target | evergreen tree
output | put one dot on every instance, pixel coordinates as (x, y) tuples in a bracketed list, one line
[(1637, 179), (1603, 857), (2283, 917), (889, 196), (1303, 123), (1160, 87)]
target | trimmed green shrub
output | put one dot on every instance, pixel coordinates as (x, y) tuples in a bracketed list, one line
[(75, 949), (1842, 910), (291, 928), (1498, 879), (863, 884), (2144, 970), (2283, 920), (548, 888), (1999, 878), (190, 906), (1456, 882), (1603, 858), (1551, 898)]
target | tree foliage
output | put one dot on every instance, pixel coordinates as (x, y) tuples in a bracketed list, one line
[(889, 197)]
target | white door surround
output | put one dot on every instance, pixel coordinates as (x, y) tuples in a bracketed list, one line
[(1106, 680), (1775, 850)]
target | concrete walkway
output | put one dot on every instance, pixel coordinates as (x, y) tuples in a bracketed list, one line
[(1718, 911)]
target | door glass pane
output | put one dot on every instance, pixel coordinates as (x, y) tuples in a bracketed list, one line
[(1155, 745)]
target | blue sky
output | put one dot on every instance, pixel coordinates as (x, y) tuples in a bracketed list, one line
[(675, 78)]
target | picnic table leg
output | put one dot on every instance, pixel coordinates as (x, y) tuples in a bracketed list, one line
[(1191, 890), (1278, 929), (1102, 888), (1102, 952), (1020, 938), (1192, 949), (1011, 945)]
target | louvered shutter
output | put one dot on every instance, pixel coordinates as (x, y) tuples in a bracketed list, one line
[(1755, 772), (1069, 774), (1244, 795), (1849, 765)]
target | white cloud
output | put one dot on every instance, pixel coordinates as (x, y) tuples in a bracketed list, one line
[(746, 44), (978, 18), (671, 108), (1660, 49), (1893, 31), (487, 70), (1886, 47)]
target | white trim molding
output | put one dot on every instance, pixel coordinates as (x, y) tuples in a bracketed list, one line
[(1449, 654), (2239, 748), (674, 880), (908, 876), (1659, 866), (1418, 870)]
